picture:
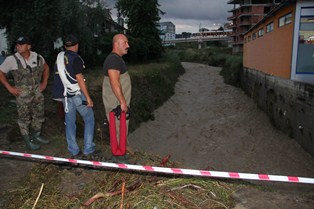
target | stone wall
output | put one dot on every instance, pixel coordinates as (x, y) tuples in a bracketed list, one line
[(288, 104)]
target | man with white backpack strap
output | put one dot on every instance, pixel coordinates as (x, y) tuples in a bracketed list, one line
[(70, 88)]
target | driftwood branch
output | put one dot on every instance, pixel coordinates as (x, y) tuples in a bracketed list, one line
[(40, 191)]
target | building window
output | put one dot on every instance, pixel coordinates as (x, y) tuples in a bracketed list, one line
[(270, 27), (254, 36), (260, 32), (249, 38), (287, 19)]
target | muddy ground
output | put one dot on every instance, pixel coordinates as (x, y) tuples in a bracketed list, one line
[(205, 125), (208, 124)]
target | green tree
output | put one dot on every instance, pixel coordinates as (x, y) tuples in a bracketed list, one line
[(46, 21), (142, 21)]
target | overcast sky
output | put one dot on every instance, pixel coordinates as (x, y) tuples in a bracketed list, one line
[(189, 15)]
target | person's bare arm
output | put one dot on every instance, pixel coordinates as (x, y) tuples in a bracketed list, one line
[(45, 77), (82, 85), (114, 77), (12, 89)]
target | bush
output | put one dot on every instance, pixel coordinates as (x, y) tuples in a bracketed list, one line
[(152, 85), (217, 60), (219, 57), (232, 69), (214, 56)]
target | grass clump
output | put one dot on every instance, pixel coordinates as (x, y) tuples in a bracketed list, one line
[(98, 188), (232, 69)]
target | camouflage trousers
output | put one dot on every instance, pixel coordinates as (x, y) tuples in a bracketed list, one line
[(30, 109)]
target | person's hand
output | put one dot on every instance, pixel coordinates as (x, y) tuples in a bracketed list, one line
[(15, 91), (42, 86), (90, 102), (124, 107)]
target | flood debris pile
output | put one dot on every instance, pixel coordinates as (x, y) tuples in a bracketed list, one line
[(64, 186)]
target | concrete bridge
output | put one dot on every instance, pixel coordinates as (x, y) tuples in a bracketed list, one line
[(197, 39)]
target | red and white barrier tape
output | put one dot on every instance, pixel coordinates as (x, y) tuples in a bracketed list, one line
[(191, 172)]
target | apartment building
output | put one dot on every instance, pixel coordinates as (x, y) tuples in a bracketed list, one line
[(245, 14), (167, 31)]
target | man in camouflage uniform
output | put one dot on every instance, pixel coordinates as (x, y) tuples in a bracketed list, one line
[(30, 73)]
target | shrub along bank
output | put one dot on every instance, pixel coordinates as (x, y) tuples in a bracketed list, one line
[(219, 57), (152, 85)]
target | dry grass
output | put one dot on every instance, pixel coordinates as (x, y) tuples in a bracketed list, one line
[(85, 187)]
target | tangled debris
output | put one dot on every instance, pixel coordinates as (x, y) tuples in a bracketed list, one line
[(88, 187)]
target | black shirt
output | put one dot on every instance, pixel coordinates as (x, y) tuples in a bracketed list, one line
[(114, 62)]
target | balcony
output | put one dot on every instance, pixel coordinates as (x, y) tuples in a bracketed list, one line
[(232, 18), (234, 2), (244, 23)]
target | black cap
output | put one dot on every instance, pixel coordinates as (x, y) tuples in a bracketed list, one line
[(70, 40), (23, 40)]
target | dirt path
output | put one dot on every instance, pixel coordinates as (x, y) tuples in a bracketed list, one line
[(208, 124)]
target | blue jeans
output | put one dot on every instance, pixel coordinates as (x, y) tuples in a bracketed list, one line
[(87, 113)]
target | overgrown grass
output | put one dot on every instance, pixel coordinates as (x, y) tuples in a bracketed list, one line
[(64, 188), (232, 69), (152, 84)]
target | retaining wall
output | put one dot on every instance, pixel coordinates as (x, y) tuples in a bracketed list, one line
[(288, 104)]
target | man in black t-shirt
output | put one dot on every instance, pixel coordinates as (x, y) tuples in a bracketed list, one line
[(116, 88)]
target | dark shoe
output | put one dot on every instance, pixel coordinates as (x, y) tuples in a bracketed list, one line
[(119, 159), (71, 165), (113, 159), (30, 144), (95, 156), (78, 155), (36, 137), (124, 159)]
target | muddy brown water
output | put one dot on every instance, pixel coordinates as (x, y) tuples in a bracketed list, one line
[(209, 124)]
